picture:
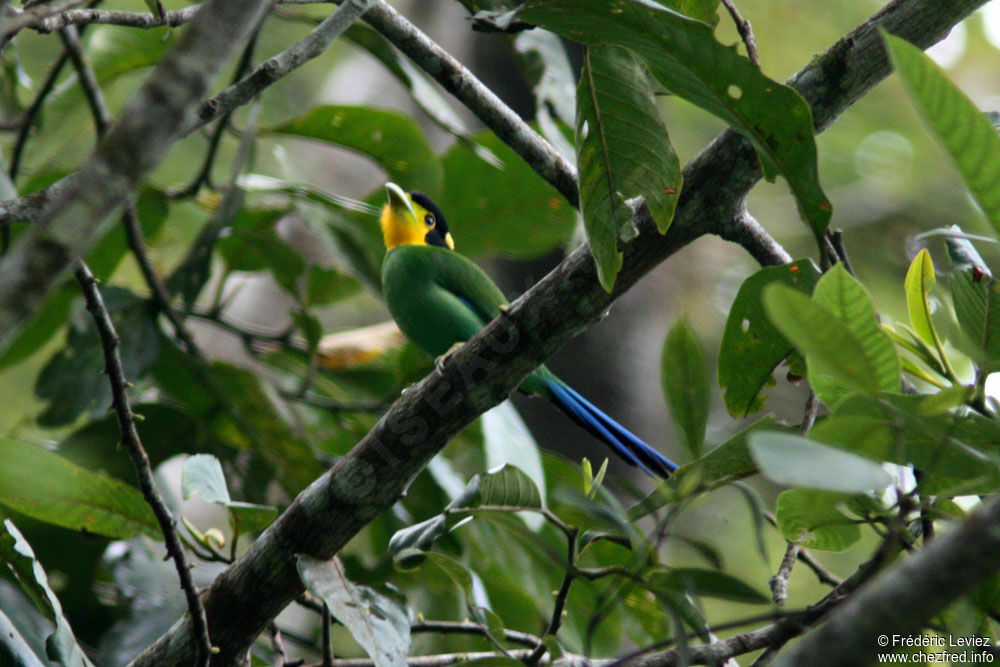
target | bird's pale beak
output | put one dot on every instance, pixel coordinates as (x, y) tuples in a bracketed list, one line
[(398, 201)]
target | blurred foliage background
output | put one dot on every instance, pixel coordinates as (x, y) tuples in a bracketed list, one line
[(884, 173)]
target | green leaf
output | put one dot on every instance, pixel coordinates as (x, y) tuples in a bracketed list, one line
[(543, 57), (756, 505), (792, 460), (919, 281), (202, 474), (18, 555), (74, 382), (506, 487), (703, 10), (699, 582), (380, 624), (811, 518), (684, 373), (623, 152), (328, 285), (728, 462), (965, 132), (507, 440), (423, 92), (848, 300), (252, 244), (836, 359), (977, 307), (47, 487), (751, 346), (248, 518), (684, 57), (393, 140), (501, 208)]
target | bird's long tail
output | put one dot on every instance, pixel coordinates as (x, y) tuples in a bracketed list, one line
[(624, 443)]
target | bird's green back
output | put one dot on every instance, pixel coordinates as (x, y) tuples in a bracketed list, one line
[(437, 297)]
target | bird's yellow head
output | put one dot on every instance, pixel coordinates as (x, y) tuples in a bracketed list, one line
[(411, 218)]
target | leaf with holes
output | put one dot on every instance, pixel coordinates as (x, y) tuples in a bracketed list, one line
[(752, 347), (684, 57)]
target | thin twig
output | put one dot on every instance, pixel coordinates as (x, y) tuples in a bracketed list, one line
[(204, 176), (140, 460), (277, 644), (32, 112), (161, 297), (824, 575), (327, 647), (87, 78), (312, 45), (779, 582), (555, 622), (745, 30), (809, 415), (470, 628)]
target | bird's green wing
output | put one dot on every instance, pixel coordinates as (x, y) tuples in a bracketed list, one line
[(437, 297)]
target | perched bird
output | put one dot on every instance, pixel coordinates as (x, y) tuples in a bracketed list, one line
[(439, 298)]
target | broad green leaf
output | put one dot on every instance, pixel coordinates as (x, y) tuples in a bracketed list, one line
[(506, 208), (203, 475), (103, 259), (257, 421), (919, 281), (380, 624), (751, 346), (848, 300), (252, 244), (811, 518), (328, 285), (507, 440), (836, 358), (703, 10), (248, 518), (965, 132), (756, 504), (423, 92), (506, 487), (728, 462), (622, 152), (684, 373), (73, 381), (792, 460), (19, 557), (977, 307), (709, 583), (393, 140), (684, 57), (910, 430), (47, 487)]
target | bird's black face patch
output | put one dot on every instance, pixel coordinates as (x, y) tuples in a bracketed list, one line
[(436, 234)]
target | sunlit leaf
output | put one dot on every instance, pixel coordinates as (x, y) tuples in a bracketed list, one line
[(793, 460), (965, 132), (811, 518), (919, 281), (393, 140)]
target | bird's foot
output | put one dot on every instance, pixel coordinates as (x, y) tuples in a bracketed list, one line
[(439, 362)]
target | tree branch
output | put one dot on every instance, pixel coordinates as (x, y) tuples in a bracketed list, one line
[(75, 218), (902, 599), (140, 461), (372, 476)]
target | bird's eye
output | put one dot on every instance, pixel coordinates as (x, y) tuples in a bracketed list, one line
[(429, 220)]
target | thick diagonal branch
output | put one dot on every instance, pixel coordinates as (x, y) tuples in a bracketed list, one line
[(324, 517), (77, 216)]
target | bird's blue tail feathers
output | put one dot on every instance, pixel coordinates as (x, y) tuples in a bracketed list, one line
[(624, 443)]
